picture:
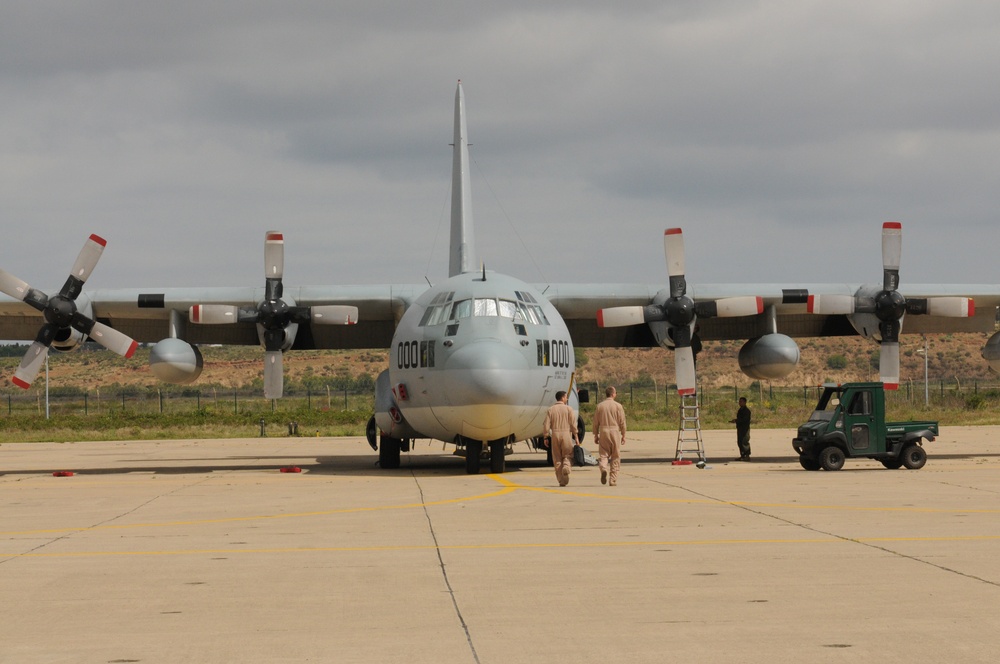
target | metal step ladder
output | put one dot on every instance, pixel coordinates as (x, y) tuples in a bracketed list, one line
[(689, 441)]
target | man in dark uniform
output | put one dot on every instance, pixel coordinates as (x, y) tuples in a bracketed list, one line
[(742, 423)]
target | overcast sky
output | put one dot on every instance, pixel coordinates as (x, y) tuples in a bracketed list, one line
[(779, 135)]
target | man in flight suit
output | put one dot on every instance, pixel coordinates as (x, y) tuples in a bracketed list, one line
[(561, 435), (742, 423), (609, 431)]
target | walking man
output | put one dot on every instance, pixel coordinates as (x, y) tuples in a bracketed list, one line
[(609, 431), (742, 423), (561, 435)]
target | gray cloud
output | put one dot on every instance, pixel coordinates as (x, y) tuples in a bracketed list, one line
[(779, 135)]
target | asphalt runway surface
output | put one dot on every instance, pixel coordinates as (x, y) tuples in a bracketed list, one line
[(205, 551)]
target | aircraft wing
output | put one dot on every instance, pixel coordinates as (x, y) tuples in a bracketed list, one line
[(148, 314), (579, 303)]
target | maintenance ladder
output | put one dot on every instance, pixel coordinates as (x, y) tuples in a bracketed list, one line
[(689, 440)]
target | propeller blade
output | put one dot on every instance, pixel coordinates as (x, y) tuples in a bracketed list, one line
[(673, 249), (31, 363), (830, 304), (274, 255), (952, 307), (334, 315), (888, 364), (113, 340), (684, 368), (728, 307), (620, 316), (213, 314), (12, 286), (87, 260), (892, 248), (273, 375)]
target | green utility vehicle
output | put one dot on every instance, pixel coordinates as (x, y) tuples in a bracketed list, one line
[(849, 421)]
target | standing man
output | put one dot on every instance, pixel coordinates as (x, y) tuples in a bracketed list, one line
[(561, 435), (609, 431), (742, 423)]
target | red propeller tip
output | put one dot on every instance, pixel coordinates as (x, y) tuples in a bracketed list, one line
[(891, 386), (600, 318), (892, 224), (687, 390), (811, 304), (972, 308), (20, 383), (99, 240), (672, 231), (131, 349)]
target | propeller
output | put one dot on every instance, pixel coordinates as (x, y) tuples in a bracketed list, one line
[(889, 306), (273, 315), (62, 315), (679, 311)]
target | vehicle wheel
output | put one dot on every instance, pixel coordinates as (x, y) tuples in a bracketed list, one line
[(581, 428), (388, 452), (473, 450), (892, 464), (914, 457), (831, 458), (497, 459), (808, 463)]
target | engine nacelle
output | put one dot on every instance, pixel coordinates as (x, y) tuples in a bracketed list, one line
[(175, 361), (388, 416), (991, 352), (769, 357), (68, 339)]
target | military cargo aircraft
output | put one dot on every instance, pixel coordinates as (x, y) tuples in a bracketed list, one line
[(476, 359)]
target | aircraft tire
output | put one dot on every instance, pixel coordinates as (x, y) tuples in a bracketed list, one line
[(498, 461), (473, 451), (914, 456), (831, 458), (581, 428), (388, 452)]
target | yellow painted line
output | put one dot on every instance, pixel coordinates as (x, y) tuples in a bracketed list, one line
[(261, 517), (498, 546)]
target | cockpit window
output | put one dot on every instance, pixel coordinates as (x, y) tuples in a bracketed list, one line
[(437, 312), (486, 306), (509, 310), (462, 309), (524, 310)]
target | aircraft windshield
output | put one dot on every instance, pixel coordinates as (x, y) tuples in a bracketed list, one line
[(442, 310)]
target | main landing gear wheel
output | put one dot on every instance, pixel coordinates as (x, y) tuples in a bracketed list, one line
[(914, 457), (832, 458), (497, 459), (388, 452), (473, 450)]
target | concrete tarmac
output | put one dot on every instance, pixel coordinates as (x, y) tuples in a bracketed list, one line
[(204, 551)]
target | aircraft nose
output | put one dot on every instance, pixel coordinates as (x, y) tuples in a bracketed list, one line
[(486, 372)]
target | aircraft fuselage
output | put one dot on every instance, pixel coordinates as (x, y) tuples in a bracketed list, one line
[(479, 359)]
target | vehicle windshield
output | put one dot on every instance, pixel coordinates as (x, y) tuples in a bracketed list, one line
[(821, 416)]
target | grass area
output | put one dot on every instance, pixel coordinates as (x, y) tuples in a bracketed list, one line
[(239, 416)]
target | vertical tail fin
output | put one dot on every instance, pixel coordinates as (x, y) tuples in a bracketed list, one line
[(461, 258)]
